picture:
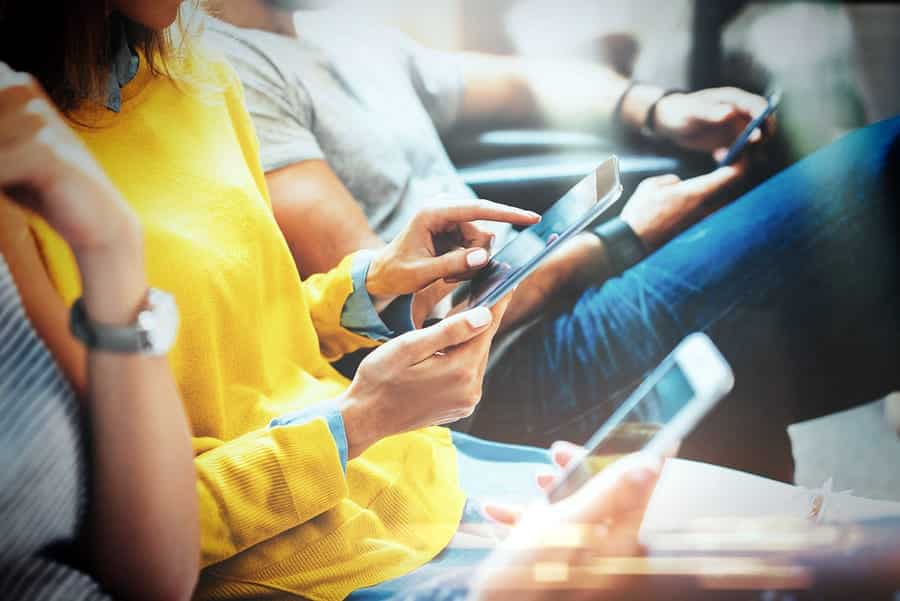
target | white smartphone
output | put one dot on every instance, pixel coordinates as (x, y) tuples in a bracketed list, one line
[(663, 410), (576, 210)]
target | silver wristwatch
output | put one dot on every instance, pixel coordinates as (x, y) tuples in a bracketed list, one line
[(153, 333)]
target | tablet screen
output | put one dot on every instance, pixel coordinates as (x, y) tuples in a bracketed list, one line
[(577, 209)]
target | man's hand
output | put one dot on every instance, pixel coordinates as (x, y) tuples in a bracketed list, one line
[(708, 120), (568, 270), (664, 206), (660, 209)]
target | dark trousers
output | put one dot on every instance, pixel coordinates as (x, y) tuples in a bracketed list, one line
[(797, 282)]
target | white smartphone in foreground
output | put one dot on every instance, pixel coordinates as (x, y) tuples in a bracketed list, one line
[(663, 410)]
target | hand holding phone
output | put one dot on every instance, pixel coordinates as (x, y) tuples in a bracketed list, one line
[(734, 153), (521, 256), (658, 415)]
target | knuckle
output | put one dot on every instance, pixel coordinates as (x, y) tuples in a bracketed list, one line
[(38, 107), (19, 80), (648, 184), (27, 80), (459, 373), (475, 398), (45, 143)]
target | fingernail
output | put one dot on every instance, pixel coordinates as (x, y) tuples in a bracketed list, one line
[(545, 479), (477, 258), (479, 318), (533, 214), (641, 476)]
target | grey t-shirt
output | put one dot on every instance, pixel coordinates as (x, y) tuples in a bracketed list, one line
[(367, 99)]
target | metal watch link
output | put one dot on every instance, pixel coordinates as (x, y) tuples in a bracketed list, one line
[(152, 334)]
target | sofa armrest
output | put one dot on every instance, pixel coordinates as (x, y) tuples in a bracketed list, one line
[(533, 168)]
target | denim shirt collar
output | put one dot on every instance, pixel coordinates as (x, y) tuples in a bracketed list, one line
[(124, 67)]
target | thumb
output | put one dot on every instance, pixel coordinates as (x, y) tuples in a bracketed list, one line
[(502, 514), (453, 264), (720, 113), (715, 181), (419, 345), (623, 487)]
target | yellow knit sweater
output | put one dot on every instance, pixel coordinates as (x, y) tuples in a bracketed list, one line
[(278, 513)]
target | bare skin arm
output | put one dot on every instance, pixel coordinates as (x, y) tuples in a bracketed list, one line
[(318, 216), (511, 91), (43, 305), (142, 526)]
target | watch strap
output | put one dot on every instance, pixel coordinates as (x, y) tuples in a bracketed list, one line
[(624, 248), (114, 339), (648, 129)]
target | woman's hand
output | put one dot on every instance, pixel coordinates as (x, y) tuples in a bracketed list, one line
[(424, 378), (142, 531), (440, 243), (45, 167), (709, 120), (600, 520)]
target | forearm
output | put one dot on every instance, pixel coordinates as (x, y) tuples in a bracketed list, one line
[(142, 523), (318, 216), (584, 262), (512, 91)]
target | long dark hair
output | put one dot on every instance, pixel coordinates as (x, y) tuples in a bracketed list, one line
[(67, 45)]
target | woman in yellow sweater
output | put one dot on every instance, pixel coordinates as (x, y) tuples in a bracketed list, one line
[(354, 486)]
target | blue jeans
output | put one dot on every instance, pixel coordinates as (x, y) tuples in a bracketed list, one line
[(796, 282)]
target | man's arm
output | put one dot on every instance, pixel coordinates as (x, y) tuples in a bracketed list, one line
[(514, 91), (511, 91), (319, 217)]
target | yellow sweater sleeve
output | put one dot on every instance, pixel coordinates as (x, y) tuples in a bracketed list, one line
[(326, 294), (257, 486)]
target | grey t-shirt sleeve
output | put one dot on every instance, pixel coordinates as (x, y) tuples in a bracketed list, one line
[(280, 107), (437, 77)]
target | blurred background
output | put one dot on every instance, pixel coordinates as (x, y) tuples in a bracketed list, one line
[(837, 61)]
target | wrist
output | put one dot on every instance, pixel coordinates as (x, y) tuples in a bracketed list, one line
[(635, 106), (378, 283), (657, 125), (359, 426), (647, 230), (114, 282), (623, 247), (591, 258)]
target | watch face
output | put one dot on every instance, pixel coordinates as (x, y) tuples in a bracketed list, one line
[(159, 323)]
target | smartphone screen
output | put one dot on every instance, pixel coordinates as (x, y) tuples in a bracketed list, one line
[(577, 209), (666, 406), (773, 100)]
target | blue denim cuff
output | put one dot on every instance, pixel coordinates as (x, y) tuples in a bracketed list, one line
[(359, 314), (328, 411)]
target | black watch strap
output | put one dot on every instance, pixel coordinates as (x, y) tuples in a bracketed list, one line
[(114, 339), (624, 248), (649, 127)]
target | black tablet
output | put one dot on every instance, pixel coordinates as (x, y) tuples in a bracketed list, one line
[(572, 213)]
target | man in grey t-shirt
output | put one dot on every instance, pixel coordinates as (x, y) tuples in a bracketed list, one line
[(349, 116), (368, 101)]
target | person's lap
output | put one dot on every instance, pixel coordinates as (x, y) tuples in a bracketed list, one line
[(488, 471), (796, 282)]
